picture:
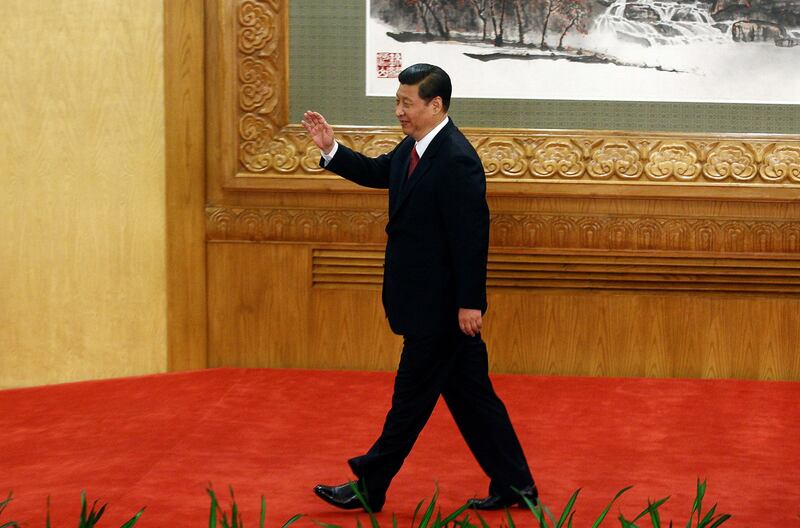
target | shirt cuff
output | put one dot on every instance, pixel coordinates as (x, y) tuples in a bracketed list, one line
[(328, 157)]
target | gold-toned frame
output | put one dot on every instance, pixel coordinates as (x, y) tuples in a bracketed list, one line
[(273, 154)]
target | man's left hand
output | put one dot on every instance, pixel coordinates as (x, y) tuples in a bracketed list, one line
[(470, 321)]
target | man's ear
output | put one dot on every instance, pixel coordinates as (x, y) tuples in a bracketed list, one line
[(438, 105)]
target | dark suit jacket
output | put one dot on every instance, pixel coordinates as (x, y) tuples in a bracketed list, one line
[(438, 229)]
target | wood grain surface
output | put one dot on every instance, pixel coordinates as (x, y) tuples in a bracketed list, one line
[(184, 22), (82, 242)]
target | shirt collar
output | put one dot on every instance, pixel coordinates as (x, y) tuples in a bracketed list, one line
[(423, 143)]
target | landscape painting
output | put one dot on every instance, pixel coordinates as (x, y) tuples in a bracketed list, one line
[(726, 51)]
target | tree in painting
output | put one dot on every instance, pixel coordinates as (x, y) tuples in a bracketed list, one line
[(571, 15)]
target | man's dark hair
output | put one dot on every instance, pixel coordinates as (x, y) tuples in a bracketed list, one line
[(433, 81)]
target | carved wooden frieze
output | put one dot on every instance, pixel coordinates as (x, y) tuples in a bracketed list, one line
[(526, 230), (294, 224), (269, 147), (623, 158)]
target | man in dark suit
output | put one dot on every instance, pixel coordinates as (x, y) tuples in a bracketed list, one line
[(434, 292)]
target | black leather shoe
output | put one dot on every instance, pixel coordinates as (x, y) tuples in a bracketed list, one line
[(498, 502), (343, 496)]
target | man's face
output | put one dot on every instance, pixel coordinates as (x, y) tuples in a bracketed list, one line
[(415, 115)]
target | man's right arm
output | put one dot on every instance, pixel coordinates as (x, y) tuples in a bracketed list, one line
[(360, 169)]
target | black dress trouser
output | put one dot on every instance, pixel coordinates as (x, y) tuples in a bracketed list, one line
[(457, 367)]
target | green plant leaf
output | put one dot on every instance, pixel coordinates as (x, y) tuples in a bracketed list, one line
[(215, 516), (416, 511), (99, 514), (234, 510), (567, 509), (3, 505), (262, 517), (450, 518), (326, 525), (90, 519), (698, 502), (536, 510), (539, 514), (293, 520), (626, 523), (708, 517), (363, 500), (722, 518), (483, 522), (510, 520), (133, 520), (608, 508), (438, 522), (651, 508), (429, 512), (655, 518), (82, 522), (546, 510), (212, 519)]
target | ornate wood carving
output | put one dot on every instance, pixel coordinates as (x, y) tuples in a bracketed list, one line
[(273, 154), (261, 84), (295, 224), (526, 230)]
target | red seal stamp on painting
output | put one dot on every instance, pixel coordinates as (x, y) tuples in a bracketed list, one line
[(389, 64)]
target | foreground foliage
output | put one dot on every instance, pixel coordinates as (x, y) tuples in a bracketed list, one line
[(9, 524), (546, 519), (460, 518), (236, 517), (88, 519)]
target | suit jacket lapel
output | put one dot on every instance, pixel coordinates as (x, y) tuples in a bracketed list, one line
[(424, 165), (398, 174)]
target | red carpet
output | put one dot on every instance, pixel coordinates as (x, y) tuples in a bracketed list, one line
[(157, 441)]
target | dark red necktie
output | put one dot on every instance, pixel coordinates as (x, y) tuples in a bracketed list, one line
[(414, 161)]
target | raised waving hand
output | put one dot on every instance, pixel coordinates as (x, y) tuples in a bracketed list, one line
[(319, 130)]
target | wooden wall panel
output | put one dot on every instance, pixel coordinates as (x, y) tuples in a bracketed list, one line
[(82, 242), (268, 312), (263, 312), (185, 183), (575, 213), (602, 334)]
